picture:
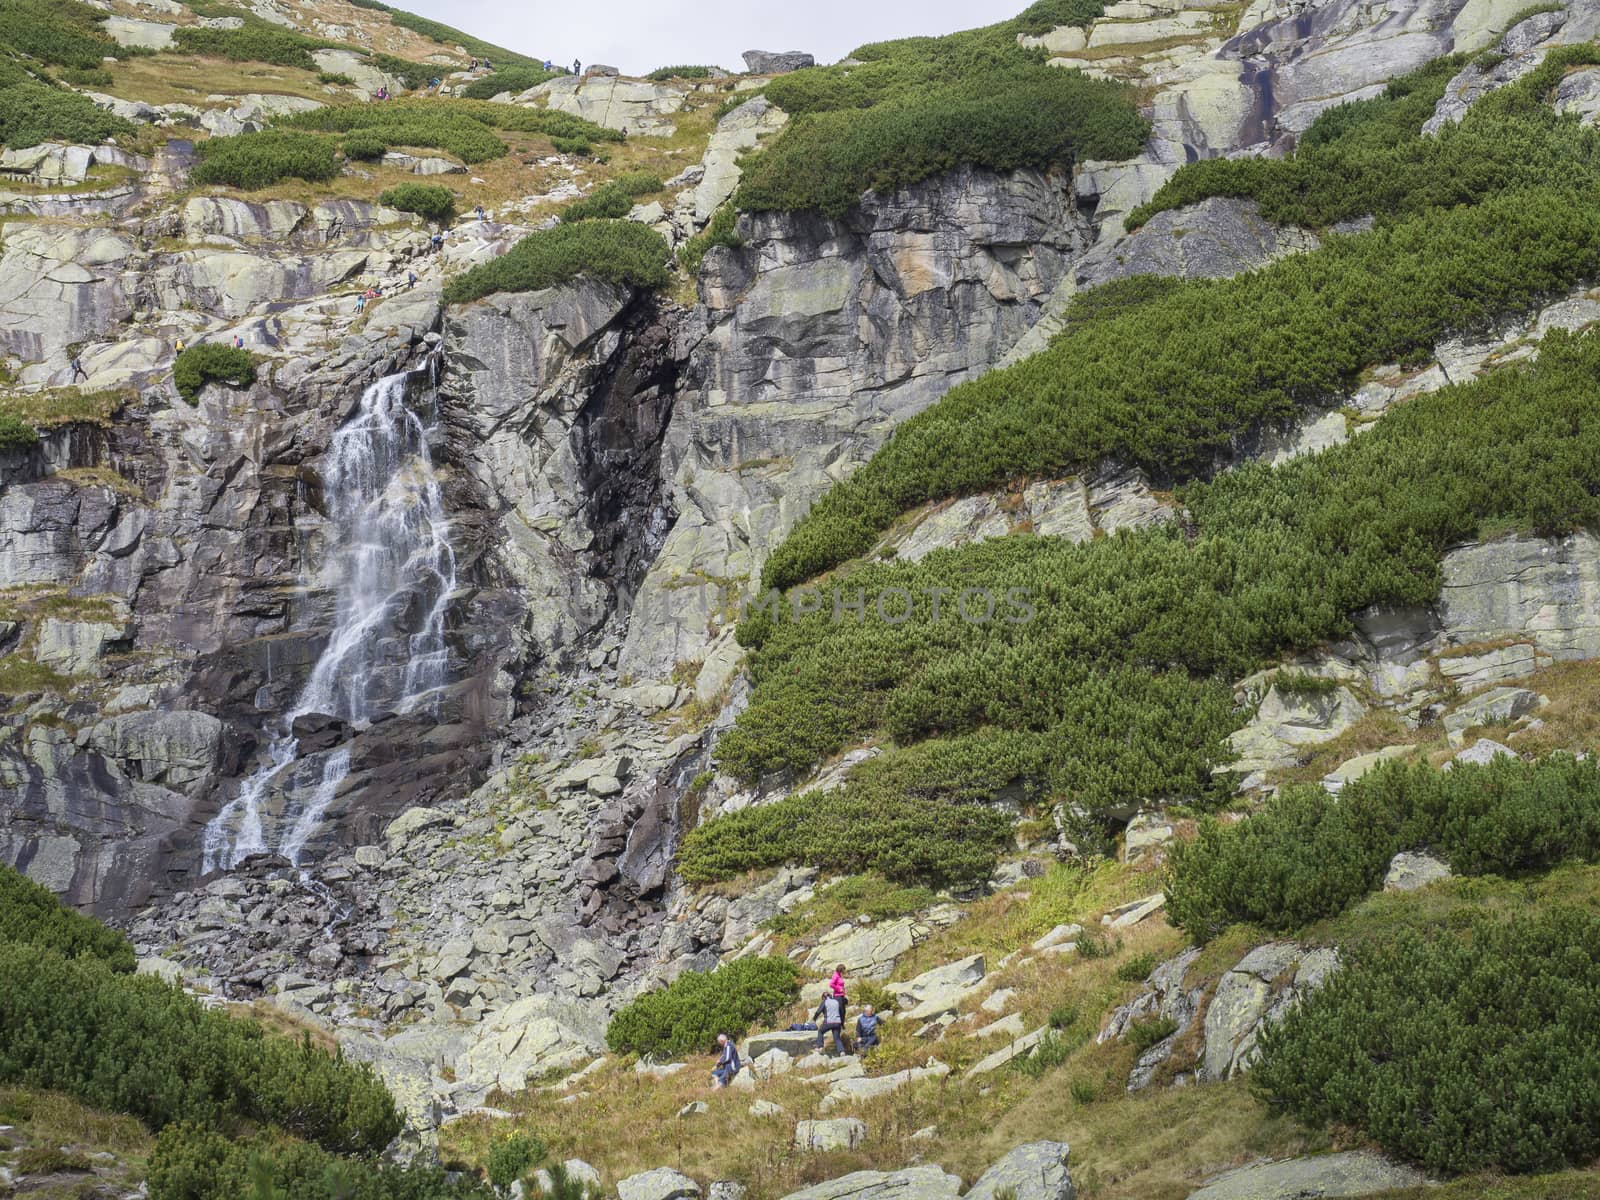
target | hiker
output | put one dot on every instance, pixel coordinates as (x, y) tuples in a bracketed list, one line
[(830, 1017), (479, 211), (411, 280), (577, 67), (836, 982), (728, 1064), (867, 1029), (77, 370), (438, 240), (238, 342), (474, 64), (361, 304), (180, 346), (433, 84)]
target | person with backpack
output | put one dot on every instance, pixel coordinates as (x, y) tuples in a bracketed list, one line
[(77, 370), (867, 1029), (728, 1064), (830, 1019)]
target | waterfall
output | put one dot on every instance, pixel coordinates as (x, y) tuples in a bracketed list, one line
[(390, 566)]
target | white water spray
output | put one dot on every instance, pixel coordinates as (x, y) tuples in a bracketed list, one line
[(392, 571)]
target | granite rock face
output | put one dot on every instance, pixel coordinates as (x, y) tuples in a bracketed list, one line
[(821, 337)]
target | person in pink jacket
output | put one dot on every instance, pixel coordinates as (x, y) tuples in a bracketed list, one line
[(836, 984)]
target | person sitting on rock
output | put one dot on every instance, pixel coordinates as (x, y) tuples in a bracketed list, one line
[(728, 1064), (830, 1018), (867, 1029)]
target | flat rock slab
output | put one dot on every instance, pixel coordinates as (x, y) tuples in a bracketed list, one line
[(1036, 1171), (913, 1183), (1352, 1173)]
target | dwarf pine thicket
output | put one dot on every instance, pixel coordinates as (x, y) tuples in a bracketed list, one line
[(51, 33), (464, 128), (1306, 855), (212, 363), (1457, 1049), (257, 160), (687, 1014), (619, 251), (1120, 689), (429, 201), (908, 109)]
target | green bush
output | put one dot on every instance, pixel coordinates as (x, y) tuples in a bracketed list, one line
[(572, 145), (15, 433), (622, 252), (429, 201), (661, 74), (913, 108), (864, 829), (1302, 857), (364, 147), (32, 112), (258, 160), (1306, 855), (606, 201), (156, 1054), (31, 915), (211, 363), (192, 1163), (461, 127), (687, 1014), (511, 1158), (63, 33), (513, 79), (258, 41), (338, 78), (1137, 969), (1460, 1053)]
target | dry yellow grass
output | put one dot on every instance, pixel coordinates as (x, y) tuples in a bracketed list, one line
[(179, 79)]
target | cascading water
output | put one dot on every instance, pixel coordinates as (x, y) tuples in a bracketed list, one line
[(390, 566)]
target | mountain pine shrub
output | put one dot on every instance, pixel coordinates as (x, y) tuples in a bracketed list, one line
[(463, 128), (194, 1163), (1306, 855), (429, 201), (212, 363), (687, 1014), (624, 252), (31, 915), (612, 199), (258, 160), (157, 1054), (34, 111), (513, 79), (16, 434), (1461, 1053), (62, 33)]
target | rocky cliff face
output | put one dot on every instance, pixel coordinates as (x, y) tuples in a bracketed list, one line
[(614, 469)]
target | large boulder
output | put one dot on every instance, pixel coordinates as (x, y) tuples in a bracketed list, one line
[(1253, 994), (632, 105), (1036, 1171), (528, 1037), (663, 1183), (795, 1043), (1287, 722), (776, 62), (940, 991)]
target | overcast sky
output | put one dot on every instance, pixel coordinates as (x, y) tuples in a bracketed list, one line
[(640, 35)]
